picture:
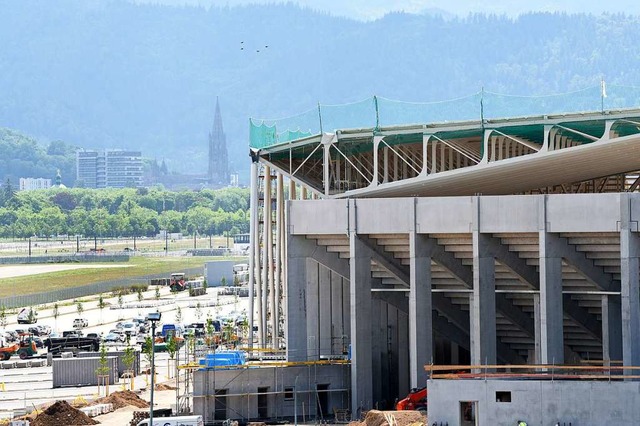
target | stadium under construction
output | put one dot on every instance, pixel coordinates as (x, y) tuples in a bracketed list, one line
[(502, 252)]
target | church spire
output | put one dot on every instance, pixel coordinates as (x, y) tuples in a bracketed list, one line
[(218, 164)]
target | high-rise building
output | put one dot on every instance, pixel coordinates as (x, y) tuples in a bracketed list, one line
[(218, 160), (110, 168)]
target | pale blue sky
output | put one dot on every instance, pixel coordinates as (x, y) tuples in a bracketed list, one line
[(372, 9)]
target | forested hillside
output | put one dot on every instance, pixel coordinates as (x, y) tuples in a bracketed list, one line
[(116, 74), (22, 156), (122, 212)]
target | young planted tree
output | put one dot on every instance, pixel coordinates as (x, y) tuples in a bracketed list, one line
[(32, 315), (140, 295), (157, 293), (3, 316), (56, 314), (79, 308), (101, 305), (129, 357), (120, 300), (103, 369), (178, 315), (198, 310)]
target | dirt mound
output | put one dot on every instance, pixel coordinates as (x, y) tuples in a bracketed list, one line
[(121, 399), (61, 413), (392, 418), (163, 387)]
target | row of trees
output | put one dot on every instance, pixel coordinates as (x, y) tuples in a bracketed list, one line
[(122, 212)]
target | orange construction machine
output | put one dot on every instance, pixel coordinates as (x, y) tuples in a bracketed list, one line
[(416, 400)]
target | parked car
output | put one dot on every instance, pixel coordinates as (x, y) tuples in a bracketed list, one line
[(118, 332), (72, 333), (112, 337), (44, 329), (129, 328), (80, 323), (140, 339), (95, 335)]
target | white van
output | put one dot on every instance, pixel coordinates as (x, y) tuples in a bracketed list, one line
[(174, 421)]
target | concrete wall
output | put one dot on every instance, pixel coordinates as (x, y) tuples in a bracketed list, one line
[(536, 402), (242, 386), (327, 300), (564, 213), (214, 271)]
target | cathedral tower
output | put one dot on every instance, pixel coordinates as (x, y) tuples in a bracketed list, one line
[(218, 161)]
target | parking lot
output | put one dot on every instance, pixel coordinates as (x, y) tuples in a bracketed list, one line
[(27, 387)]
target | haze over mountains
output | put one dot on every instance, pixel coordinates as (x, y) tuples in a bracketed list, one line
[(120, 74)]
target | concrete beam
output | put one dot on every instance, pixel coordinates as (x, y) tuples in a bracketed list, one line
[(585, 267), (611, 328)]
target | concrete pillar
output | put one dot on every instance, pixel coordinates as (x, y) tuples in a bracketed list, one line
[(360, 302), (611, 329), (537, 358), (630, 286), (483, 304), (420, 306), (551, 311), (254, 247), (297, 277), (313, 312), (267, 253)]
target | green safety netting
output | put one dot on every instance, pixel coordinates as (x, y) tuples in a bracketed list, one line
[(376, 112)]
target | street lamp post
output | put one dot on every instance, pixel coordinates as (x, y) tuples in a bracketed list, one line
[(154, 317)]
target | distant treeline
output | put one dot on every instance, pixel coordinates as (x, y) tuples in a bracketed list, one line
[(121, 212)]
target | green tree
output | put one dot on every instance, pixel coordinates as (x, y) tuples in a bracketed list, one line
[(157, 295), (79, 308), (56, 313), (178, 315), (101, 305), (198, 310), (103, 363), (129, 356), (140, 295), (3, 316), (120, 300)]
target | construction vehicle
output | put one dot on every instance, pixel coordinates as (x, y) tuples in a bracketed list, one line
[(72, 343), (178, 281), (416, 400), (25, 348), (7, 351)]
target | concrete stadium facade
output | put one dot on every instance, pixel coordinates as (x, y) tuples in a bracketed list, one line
[(491, 242), (547, 279)]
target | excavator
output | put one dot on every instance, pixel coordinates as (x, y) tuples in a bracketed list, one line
[(416, 400)]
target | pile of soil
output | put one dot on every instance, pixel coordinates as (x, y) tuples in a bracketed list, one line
[(398, 418), (121, 399), (61, 413), (163, 387)]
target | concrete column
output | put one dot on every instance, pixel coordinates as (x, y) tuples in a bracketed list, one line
[(630, 286), (297, 277), (483, 303), (267, 253), (537, 359), (360, 302), (420, 324), (611, 329), (551, 310), (254, 247)]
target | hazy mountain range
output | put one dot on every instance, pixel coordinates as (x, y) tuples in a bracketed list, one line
[(118, 74), (374, 9)]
